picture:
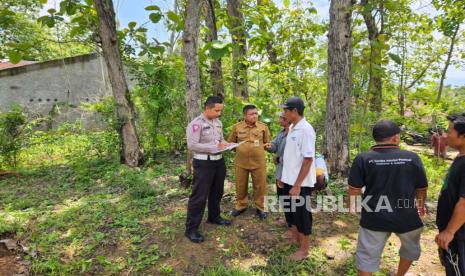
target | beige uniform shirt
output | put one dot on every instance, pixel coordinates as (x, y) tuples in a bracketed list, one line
[(203, 135), (251, 154)]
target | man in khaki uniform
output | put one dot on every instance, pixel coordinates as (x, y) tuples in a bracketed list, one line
[(250, 159)]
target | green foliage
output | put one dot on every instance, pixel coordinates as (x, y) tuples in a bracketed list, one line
[(221, 270), (142, 190), (105, 107), (76, 206), (218, 49), (23, 37), (436, 171), (12, 135), (158, 97)]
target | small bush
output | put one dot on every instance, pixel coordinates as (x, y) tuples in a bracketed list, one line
[(142, 190), (13, 126)]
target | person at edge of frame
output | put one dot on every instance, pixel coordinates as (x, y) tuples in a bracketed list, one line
[(450, 217)]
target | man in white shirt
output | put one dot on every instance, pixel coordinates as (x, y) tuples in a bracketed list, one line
[(299, 175)]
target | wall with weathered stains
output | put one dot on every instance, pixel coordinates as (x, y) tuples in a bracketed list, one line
[(64, 83), (41, 85)]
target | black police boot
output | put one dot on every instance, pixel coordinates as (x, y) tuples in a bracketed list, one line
[(236, 213), (261, 214), (194, 236), (220, 221)]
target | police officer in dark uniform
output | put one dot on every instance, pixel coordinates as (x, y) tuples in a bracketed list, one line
[(205, 139)]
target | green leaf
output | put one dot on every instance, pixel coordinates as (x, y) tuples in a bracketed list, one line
[(312, 11), (6, 17), (23, 46), (219, 49), (47, 20), (51, 11), (152, 8), (286, 3), (219, 44), (149, 69), (157, 50), (15, 57), (173, 16), (180, 26), (155, 17), (132, 24), (390, 5), (395, 58)]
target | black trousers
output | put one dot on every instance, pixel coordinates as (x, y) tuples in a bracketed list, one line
[(280, 193), (300, 216), (454, 259), (208, 184)]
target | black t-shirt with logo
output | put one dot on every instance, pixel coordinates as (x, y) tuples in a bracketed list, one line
[(452, 189), (390, 177)]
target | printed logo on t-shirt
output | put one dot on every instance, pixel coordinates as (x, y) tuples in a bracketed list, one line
[(394, 161)]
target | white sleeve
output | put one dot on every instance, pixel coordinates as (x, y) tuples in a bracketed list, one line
[(307, 147)]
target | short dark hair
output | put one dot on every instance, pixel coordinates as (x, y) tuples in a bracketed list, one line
[(300, 111), (248, 107), (211, 101), (383, 130), (459, 122)]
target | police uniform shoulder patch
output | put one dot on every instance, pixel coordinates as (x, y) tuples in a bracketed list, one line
[(195, 127), (196, 123)]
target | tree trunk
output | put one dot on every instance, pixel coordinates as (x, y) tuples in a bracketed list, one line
[(446, 66), (402, 89), (216, 71), (272, 55), (403, 86), (173, 33), (131, 152), (191, 58), (375, 82), (190, 52), (239, 52), (336, 138)]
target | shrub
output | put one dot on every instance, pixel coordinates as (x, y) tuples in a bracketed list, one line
[(13, 133)]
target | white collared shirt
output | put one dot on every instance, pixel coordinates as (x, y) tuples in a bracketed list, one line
[(300, 144)]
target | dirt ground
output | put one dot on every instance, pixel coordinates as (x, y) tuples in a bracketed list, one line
[(250, 245), (11, 260), (261, 238)]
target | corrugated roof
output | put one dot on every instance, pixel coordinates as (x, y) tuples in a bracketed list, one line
[(7, 65)]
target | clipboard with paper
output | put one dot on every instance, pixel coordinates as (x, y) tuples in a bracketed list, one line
[(229, 147)]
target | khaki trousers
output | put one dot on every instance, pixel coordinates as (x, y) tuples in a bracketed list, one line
[(259, 187)]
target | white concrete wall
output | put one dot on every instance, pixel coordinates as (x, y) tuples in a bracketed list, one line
[(39, 86)]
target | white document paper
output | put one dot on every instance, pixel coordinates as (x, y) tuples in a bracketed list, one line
[(230, 147)]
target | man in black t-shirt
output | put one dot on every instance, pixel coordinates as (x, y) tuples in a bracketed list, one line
[(395, 190), (450, 217)]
